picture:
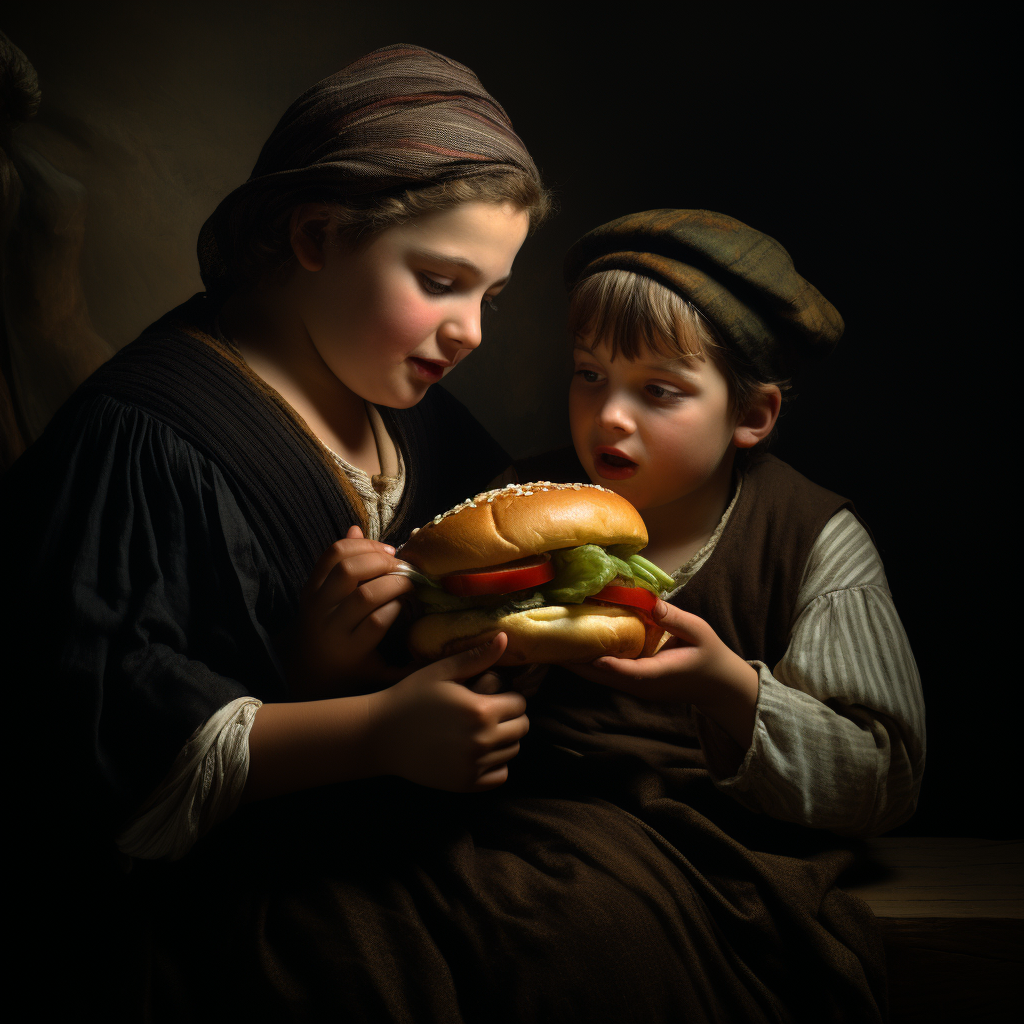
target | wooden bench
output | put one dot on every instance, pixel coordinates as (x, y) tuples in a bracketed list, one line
[(952, 911)]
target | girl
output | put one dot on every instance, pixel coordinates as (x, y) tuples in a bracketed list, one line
[(202, 527)]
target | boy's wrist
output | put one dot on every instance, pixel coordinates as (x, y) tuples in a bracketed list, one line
[(732, 700)]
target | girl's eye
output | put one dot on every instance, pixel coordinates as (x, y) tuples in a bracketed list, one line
[(488, 303), (434, 287)]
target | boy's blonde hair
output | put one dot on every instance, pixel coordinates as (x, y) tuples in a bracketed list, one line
[(636, 314)]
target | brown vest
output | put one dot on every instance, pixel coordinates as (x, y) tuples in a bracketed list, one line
[(747, 589)]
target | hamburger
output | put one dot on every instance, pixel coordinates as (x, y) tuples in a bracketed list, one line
[(554, 566)]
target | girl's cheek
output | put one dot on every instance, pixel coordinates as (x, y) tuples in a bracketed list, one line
[(408, 317)]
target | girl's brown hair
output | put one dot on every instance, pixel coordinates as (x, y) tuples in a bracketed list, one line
[(267, 251)]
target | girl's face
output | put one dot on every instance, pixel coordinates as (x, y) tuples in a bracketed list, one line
[(654, 430), (395, 316)]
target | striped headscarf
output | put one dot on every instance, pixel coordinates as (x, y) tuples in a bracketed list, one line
[(401, 117), (740, 279)]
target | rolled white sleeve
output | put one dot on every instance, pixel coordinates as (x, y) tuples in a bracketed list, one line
[(839, 736), (202, 788)]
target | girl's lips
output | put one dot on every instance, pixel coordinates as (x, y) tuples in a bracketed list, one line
[(428, 369), (611, 464)]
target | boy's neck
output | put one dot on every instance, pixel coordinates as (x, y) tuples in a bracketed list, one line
[(277, 348), (678, 530)]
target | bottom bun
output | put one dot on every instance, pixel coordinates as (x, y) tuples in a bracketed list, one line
[(552, 635)]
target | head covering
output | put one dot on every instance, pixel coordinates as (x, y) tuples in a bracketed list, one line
[(400, 117), (742, 281)]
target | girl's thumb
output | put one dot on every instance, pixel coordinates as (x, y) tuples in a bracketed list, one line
[(476, 659)]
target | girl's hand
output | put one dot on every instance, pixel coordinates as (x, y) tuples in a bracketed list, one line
[(346, 607), (434, 729), (693, 667)]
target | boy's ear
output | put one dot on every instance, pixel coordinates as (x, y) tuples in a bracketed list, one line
[(308, 230), (757, 424)]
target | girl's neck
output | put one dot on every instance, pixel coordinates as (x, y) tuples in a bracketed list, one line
[(678, 530), (277, 348)]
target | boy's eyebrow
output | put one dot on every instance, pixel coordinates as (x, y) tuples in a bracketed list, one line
[(678, 364), (458, 261)]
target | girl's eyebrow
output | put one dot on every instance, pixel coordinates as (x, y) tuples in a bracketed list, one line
[(458, 261)]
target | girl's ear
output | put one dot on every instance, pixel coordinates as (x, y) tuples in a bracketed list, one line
[(757, 424), (308, 232)]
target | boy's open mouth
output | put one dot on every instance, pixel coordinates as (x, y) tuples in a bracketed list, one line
[(612, 464)]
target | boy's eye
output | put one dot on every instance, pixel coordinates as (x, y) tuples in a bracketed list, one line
[(657, 391), (590, 376)]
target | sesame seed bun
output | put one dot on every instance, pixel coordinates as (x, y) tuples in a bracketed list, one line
[(520, 520)]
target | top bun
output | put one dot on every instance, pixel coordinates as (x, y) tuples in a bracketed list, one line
[(522, 520)]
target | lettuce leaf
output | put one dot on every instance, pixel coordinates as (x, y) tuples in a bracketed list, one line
[(580, 572)]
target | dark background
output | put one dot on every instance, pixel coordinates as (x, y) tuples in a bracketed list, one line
[(873, 145)]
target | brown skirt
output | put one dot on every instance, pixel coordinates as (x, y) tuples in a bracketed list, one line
[(608, 880)]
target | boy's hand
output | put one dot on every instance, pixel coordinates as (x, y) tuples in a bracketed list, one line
[(434, 729), (346, 607), (693, 667)]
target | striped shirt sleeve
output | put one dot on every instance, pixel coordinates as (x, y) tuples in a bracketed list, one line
[(839, 736)]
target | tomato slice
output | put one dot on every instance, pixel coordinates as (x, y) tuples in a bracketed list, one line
[(633, 597), (501, 579)]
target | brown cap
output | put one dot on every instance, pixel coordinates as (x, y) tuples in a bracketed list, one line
[(741, 280)]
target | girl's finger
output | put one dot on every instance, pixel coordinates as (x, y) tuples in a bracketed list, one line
[(358, 611), (368, 633), (510, 710), (355, 533), (350, 572), (494, 758), (336, 553), (489, 682), (465, 664), (495, 777)]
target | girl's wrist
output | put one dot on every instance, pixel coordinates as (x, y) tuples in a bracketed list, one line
[(378, 731)]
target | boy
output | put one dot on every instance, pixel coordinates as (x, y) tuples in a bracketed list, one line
[(687, 326)]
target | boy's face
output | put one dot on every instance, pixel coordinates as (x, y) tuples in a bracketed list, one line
[(395, 316), (654, 429)]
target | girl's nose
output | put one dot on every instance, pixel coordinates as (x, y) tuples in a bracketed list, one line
[(464, 328)]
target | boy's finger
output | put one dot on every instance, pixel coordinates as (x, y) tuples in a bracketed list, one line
[(674, 620)]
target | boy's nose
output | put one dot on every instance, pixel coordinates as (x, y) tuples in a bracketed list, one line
[(615, 415)]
